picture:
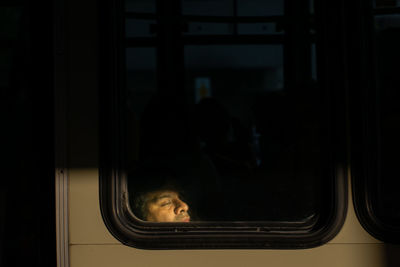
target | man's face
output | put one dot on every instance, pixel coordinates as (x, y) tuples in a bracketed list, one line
[(166, 206)]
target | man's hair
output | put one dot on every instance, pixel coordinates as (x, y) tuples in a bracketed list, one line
[(142, 182), (140, 205)]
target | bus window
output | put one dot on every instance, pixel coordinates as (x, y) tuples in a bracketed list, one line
[(377, 199), (222, 126)]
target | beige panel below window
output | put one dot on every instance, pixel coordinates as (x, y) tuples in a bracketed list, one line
[(86, 223), (331, 255)]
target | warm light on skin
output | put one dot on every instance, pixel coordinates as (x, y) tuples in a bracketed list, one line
[(166, 206)]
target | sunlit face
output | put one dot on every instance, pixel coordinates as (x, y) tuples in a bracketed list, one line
[(166, 206)]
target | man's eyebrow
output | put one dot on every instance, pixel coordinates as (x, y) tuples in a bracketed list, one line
[(165, 195)]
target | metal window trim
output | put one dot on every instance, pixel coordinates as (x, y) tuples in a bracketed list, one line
[(145, 235), (60, 133), (62, 225)]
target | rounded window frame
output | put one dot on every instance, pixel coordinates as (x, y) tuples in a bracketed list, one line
[(113, 195)]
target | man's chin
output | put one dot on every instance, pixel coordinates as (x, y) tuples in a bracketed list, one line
[(184, 219)]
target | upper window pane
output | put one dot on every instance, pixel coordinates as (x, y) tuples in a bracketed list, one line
[(387, 80), (208, 7), (386, 3), (311, 6), (140, 28), (141, 85), (259, 28), (260, 8), (384, 22), (377, 199), (233, 7), (141, 80), (234, 57), (205, 28), (140, 6)]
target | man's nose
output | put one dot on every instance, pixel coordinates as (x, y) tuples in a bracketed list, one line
[(181, 206)]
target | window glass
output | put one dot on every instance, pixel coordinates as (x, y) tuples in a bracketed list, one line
[(234, 136), (260, 8), (259, 28), (204, 28), (385, 22), (314, 63), (234, 56), (141, 84), (311, 6), (140, 28), (263, 145), (387, 199), (208, 7), (140, 6), (141, 80), (233, 8), (386, 3), (376, 158)]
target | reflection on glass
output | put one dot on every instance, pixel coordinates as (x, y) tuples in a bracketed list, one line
[(233, 8), (314, 63), (140, 86), (386, 3), (207, 8), (157, 200), (140, 6), (259, 28), (311, 6), (203, 28), (383, 22), (260, 8), (139, 28), (140, 76), (234, 56)]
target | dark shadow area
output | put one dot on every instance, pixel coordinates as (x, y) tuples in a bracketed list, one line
[(27, 208), (392, 253), (386, 200), (375, 120), (376, 154)]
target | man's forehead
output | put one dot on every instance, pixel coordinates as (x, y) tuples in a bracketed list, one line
[(159, 194)]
